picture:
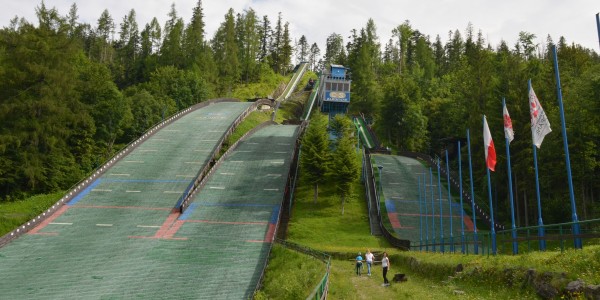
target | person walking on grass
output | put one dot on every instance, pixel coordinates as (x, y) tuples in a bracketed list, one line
[(369, 258), (385, 264), (359, 262)]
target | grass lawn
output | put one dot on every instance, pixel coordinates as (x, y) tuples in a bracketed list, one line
[(290, 275), (14, 214), (321, 226)]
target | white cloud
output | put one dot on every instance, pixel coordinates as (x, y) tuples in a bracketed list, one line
[(317, 19)]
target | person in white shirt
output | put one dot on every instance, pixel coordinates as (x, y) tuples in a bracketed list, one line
[(369, 258), (385, 264)]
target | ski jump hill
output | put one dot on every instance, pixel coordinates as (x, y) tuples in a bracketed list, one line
[(157, 221)]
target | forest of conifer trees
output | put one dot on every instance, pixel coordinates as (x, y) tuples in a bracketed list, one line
[(72, 94)]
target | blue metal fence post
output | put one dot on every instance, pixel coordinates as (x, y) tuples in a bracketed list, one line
[(426, 216), (476, 247), (577, 241), (441, 208), (462, 213), (432, 209), (449, 203), (420, 217)]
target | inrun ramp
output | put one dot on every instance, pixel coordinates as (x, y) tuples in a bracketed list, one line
[(410, 218), (231, 222), (113, 240)]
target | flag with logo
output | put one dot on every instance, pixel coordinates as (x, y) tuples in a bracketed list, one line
[(540, 126), (509, 133), (488, 145)]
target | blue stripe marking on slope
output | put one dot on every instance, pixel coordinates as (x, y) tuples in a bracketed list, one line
[(407, 201), (186, 214), (389, 205), (235, 204), (146, 180), (84, 192), (275, 214)]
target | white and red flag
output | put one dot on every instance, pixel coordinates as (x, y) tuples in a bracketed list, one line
[(488, 145), (540, 126), (509, 133)]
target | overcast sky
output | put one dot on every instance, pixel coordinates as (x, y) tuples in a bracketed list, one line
[(317, 19)]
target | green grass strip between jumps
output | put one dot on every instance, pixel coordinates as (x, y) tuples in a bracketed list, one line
[(14, 214)]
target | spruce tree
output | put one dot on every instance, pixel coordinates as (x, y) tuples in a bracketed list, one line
[(315, 158), (344, 167)]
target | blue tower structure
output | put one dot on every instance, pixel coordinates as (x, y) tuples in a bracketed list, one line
[(334, 92)]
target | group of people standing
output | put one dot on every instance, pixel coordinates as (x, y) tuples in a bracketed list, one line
[(369, 259)]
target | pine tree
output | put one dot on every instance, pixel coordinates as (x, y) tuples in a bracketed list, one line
[(226, 50), (302, 49), (248, 37), (128, 51), (334, 49), (265, 33), (171, 52), (103, 50), (277, 46), (315, 159), (315, 53), (345, 167), (194, 43), (286, 50)]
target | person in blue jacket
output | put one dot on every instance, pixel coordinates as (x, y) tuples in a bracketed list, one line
[(359, 263)]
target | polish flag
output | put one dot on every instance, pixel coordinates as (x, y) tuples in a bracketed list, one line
[(488, 143)]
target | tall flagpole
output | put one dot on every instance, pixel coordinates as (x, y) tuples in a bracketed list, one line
[(476, 247), (493, 224), (577, 241), (441, 208), (432, 209), (510, 192), (598, 25), (449, 202), (537, 190), (493, 230), (462, 211)]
